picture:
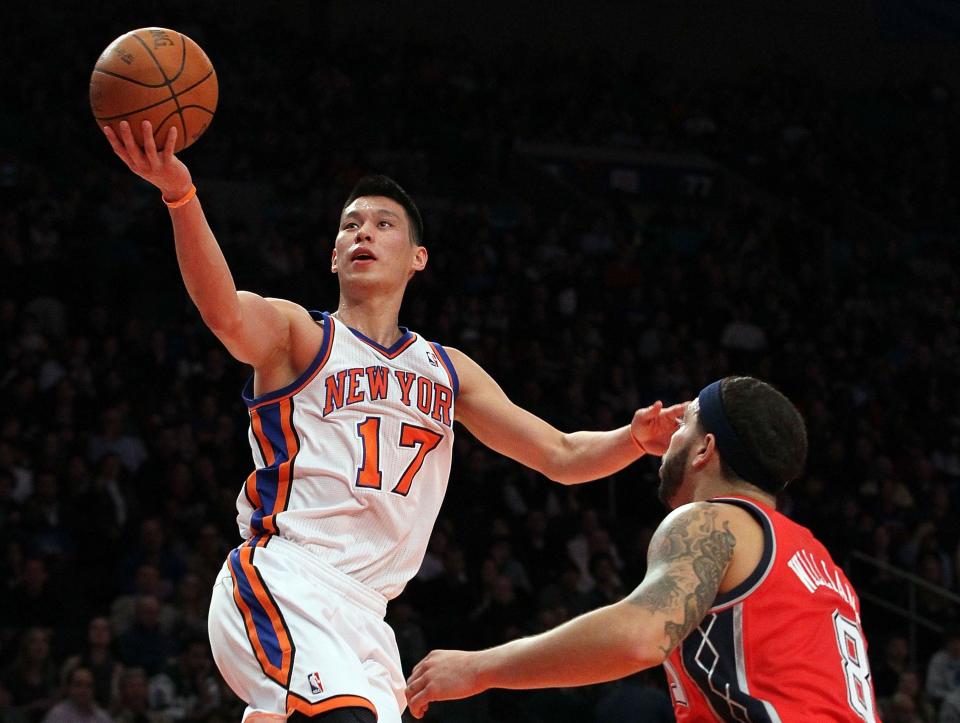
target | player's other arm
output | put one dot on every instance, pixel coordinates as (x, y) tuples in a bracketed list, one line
[(253, 329), (570, 458), (687, 560)]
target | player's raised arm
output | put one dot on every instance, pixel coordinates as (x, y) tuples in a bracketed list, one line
[(569, 458), (687, 560), (253, 329)]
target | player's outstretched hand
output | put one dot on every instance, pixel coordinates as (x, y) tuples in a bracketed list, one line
[(161, 168), (653, 426), (443, 675)]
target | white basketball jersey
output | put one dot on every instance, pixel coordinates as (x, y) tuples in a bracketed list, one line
[(352, 458)]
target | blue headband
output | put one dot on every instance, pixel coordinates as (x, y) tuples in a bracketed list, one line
[(713, 417)]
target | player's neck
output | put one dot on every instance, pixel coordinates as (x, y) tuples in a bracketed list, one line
[(719, 487), (375, 318)]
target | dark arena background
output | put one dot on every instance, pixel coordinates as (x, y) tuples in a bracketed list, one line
[(623, 202)]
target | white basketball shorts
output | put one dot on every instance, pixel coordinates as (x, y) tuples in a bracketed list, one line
[(292, 633)]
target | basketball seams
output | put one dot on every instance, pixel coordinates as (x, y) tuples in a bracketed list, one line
[(173, 95), (161, 102), (183, 58), (186, 107), (129, 80), (154, 59), (131, 112), (197, 107)]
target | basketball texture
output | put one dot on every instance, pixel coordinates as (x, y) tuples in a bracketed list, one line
[(157, 75)]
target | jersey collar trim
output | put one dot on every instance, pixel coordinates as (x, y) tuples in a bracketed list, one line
[(407, 338)]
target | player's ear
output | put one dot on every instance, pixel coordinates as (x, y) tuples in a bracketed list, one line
[(333, 261), (420, 258), (703, 451)]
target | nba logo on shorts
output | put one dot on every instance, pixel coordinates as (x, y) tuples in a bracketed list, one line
[(315, 685)]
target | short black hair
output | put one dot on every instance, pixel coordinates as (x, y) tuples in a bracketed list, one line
[(770, 428), (378, 185)]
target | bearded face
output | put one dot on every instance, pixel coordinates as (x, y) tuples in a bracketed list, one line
[(673, 467)]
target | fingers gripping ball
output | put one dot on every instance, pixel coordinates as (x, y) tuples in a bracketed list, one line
[(157, 75)]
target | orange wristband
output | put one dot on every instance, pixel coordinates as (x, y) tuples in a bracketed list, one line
[(184, 200)]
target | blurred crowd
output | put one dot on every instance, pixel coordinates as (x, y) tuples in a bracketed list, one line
[(123, 435)]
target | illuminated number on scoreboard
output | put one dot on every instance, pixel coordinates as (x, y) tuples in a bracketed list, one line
[(411, 436), (856, 668)]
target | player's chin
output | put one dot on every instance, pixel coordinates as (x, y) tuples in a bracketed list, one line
[(364, 279)]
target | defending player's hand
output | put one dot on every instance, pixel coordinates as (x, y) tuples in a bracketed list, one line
[(161, 168), (653, 426), (443, 675)]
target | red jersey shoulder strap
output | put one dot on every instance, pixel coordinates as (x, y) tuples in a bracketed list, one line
[(756, 578)]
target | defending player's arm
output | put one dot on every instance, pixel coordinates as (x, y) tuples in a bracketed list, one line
[(570, 458), (687, 560), (253, 329)]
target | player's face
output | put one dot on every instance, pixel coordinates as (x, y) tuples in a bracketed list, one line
[(374, 246), (675, 461)]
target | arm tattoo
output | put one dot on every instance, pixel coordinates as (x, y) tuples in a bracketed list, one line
[(687, 562)]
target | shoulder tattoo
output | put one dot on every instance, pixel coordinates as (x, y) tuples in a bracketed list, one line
[(686, 564)]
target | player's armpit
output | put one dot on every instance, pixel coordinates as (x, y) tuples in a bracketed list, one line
[(277, 337), (686, 562)]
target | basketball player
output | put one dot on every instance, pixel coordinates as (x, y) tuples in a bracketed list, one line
[(745, 610), (351, 431)]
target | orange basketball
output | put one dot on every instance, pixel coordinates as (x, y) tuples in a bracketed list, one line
[(157, 75)]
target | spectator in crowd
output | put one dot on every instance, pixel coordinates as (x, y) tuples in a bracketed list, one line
[(45, 518), (113, 438), (886, 671), (943, 671), (191, 606), (79, 706), (205, 558), (187, 688), (146, 581), (31, 677), (154, 549), (132, 703), (146, 645), (32, 601), (503, 610), (565, 592), (908, 701), (950, 708), (607, 585), (97, 657), (501, 552)]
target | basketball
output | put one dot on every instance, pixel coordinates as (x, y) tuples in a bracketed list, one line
[(157, 75)]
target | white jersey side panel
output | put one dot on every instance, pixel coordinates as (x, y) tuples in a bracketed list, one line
[(352, 459)]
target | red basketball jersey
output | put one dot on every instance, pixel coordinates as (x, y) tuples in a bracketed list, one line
[(785, 645)]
